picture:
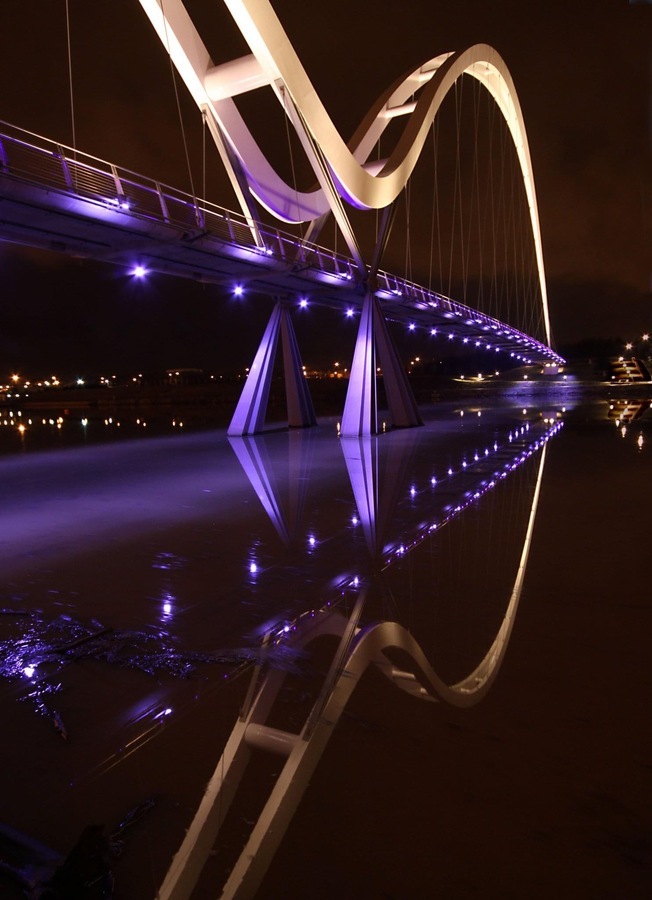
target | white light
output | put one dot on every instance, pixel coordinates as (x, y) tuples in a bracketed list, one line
[(349, 313), (238, 290), (29, 671), (139, 271), (253, 568), (303, 303)]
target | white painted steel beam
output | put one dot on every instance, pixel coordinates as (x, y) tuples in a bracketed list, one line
[(236, 77)]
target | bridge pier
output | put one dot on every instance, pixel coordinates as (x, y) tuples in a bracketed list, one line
[(375, 343), (249, 415)]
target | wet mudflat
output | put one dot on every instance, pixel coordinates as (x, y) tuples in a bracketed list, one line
[(139, 576)]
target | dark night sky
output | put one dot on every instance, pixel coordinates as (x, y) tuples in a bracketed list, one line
[(583, 70)]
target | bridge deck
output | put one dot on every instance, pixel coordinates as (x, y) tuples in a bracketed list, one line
[(55, 198)]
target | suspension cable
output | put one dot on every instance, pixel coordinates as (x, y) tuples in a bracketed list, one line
[(178, 102), (203, 155), (289, 140), (72, 102)]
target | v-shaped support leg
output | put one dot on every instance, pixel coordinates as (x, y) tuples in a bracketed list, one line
[(403, 410), (374, 342), (249, 415), (360, 414), (301, 412)]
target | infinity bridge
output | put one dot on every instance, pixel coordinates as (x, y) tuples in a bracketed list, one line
[(55, 197)]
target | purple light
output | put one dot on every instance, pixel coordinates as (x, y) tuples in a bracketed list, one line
[(412, 326), (349, 313), (238, 290), (303, 303), (139, 271), (433, 331)]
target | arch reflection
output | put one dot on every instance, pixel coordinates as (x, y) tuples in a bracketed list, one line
[(378, 482)]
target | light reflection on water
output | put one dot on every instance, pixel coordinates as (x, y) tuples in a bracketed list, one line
[(139, 578)]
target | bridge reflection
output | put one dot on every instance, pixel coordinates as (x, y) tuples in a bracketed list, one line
[(388, 645), (250, 555)]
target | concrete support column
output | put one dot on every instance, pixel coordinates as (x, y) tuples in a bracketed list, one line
[(360, 414), (403, 409), (249, 415), (301, 412), (374, 342)]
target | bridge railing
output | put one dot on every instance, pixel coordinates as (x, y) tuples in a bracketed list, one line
[(34, 159)]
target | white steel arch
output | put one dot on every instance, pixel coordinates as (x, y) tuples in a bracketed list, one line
[(342, 168)]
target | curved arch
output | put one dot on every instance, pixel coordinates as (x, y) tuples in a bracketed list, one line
[(273, 50), (356, 182)]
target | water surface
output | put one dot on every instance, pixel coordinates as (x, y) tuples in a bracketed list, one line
[(141, 570)]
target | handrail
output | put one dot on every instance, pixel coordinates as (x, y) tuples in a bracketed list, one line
[(31, 157)]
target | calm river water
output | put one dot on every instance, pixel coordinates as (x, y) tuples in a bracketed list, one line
[(143, 562)]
